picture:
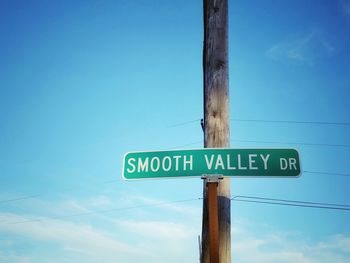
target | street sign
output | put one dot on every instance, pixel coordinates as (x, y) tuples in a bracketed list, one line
[(198, 162)]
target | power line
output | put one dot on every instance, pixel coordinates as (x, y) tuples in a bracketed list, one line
[(288, 204), (107, 211), (295, 143), (327, 173), (238, 198), (268, 121), (291, 121), (43, 194), (289, 201), (183, 123), (113, 181), (272, 142), (185, 145), (285, 202), (18, 199)]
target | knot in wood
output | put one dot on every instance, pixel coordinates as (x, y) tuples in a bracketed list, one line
[(219, 64)]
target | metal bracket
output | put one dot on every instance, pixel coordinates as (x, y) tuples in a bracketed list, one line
[(212, 178)]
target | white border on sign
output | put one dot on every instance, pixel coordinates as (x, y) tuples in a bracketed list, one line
[(201, 149)]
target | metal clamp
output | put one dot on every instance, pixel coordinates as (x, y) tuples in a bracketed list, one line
[(212, 178)]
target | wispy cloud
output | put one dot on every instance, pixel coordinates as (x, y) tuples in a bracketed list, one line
[(170, 231), (344, 6), (132, 241), (106, 236), (277, 247), (9, 257), (303, 49), (155, 238), (175, 206), (100, 201), (78, 237)]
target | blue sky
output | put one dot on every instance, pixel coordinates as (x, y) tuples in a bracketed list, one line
[(84, 82)]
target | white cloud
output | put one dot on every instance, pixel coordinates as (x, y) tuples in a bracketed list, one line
[(129, 241), (278, 247), (80, 238), (159, 230), (339, 242), (167, 240), (303, 49), (100, 201), (10, 258), (177, 207)]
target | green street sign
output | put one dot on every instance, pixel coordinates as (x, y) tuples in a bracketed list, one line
[(198, 162)]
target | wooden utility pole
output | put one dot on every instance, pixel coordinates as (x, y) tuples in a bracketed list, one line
[(216, 123)]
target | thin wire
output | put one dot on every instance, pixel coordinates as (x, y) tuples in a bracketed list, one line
[(43, 194), (270, 121), (327, 173), (290, 121), (274, 142), (113, 181), (183, 123), (253, 199), (291, 204), (310, 172), (289, 201), (106, 211), (187, 144), (18, 199), (296, 143)]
